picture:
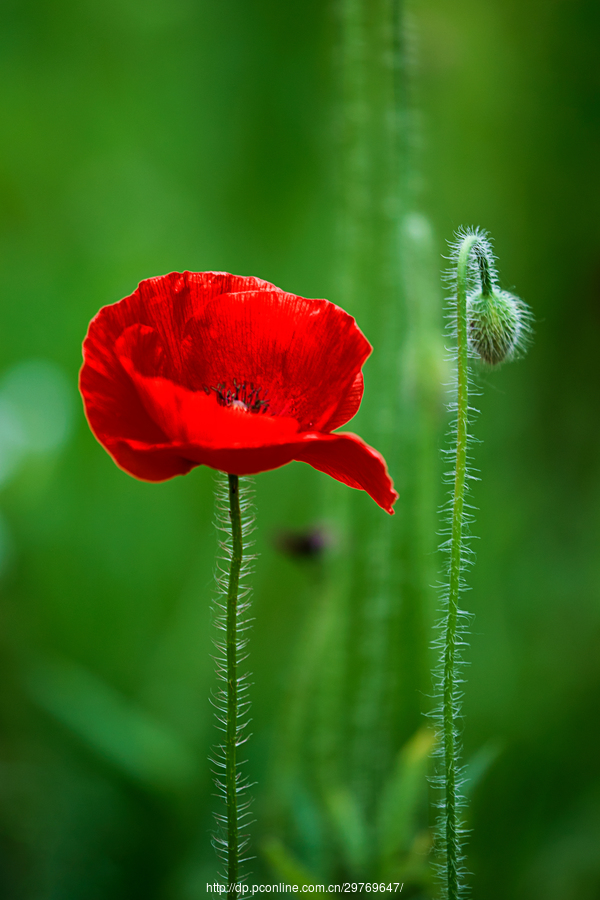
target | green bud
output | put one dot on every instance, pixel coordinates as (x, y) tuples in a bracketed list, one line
[(496, 324)]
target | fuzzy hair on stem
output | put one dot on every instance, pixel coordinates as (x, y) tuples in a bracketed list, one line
[(235, 522), (493, 326)]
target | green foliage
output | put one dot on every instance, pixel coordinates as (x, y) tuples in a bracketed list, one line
[(393, 849), (138, 744)]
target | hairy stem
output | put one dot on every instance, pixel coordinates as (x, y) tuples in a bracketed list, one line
[(235, 521), (493, 325), (232, 682), (483, 264), (471, 244), (450, 754)]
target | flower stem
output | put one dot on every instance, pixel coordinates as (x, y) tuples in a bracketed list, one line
[(473, 259), (493, 325), (232, 681), (456, 538), (235, 521)]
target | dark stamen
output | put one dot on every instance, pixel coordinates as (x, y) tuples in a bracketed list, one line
[(244, 393)]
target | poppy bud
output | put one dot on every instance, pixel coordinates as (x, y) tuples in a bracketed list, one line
[(496, 325)]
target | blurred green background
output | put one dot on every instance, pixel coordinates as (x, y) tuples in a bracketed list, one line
[(144, 137)]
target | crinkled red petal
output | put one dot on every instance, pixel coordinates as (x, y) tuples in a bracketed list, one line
[(348, 405), (305, 355), (197, 417), (153, 360), (163, 306), (345, 457), (168, 302)]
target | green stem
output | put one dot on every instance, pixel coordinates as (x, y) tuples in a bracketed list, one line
[(493, 325), (471, 243), (450, 754), (485, 272), (232, 682)]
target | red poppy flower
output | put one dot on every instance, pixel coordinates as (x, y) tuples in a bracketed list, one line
[(229, 372)]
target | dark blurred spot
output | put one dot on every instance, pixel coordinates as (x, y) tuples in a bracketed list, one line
[(310, 543)]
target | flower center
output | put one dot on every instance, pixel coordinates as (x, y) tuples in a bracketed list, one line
[(244, 396)]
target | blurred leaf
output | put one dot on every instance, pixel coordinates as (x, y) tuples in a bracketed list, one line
[(567, 865), (350, 827), (36, 413), (42, 400), (479, 765), (117, 729), (12, 440), (404, 794), (6, 545), (285, 865)]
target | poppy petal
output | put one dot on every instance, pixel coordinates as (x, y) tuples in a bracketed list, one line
[(345, 457), (349, 459), (113, 407), (233, 373), (112, 404), (164, 304), (170, 301), (305, 354), (348, 405), (148, 462), (195, 417)]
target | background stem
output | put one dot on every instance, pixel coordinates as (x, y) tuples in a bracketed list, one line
[(364, 665)]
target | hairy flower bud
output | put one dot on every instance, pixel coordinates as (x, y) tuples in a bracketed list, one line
[(496, 324)]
